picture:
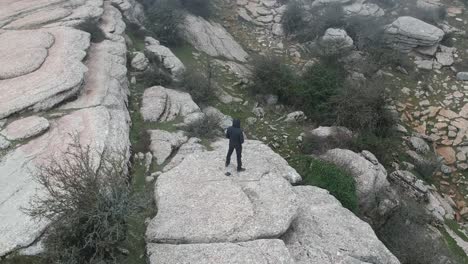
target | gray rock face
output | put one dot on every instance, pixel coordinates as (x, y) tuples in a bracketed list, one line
[(407, 33), (98, 117), (408, 182), (165, 55), (25, 128), (254, 204), (48, 13), (162, 105), (27, 82), (264, 251), (212, 38), (334, 41), (139, 61), (326, 233), (163, 143), (370, 175)]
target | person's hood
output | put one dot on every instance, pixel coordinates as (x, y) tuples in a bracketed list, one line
[(236, 123)]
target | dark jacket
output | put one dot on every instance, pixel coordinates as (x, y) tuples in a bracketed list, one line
[(235, 134)]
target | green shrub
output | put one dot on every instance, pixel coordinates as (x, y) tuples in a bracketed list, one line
[(163, 20), (382, 147), (207, 127), (203, 8), (318, 85), (294, 18), (199, 84), (330, 16), (310, 92), (271, 76), (89, 204), (326, 175), (363, 107)]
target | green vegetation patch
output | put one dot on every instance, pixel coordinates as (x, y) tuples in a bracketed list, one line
[(328, 176)]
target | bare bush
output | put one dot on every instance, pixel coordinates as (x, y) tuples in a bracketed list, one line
[(88, 201), (207, 127)]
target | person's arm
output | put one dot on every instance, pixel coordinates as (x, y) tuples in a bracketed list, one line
[(242, 137), (228, 133)]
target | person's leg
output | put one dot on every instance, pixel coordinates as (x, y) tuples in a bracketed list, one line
[(228, 157), (239, 157)]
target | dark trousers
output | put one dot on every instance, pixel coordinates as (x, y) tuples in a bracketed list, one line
[(238, 154)]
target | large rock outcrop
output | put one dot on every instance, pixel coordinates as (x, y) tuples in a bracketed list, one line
[(369, 174), (98, 117), (326, 233), (212, 38), (255, 216), (161, 105), (407, 33), (165, 56)]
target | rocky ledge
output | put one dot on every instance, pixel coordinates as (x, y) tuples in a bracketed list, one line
[(255, 216)]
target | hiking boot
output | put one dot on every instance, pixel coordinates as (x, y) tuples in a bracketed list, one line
[(240, 169)]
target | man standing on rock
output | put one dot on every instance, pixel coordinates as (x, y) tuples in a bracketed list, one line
[(236, 139)]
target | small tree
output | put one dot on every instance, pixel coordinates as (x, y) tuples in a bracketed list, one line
[(207, 127), (199, 84), (88, 200), (163, 19)]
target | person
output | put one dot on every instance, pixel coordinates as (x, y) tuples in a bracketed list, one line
[(236, 138)]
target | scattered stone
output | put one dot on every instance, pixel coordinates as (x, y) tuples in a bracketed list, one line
[(419, 145), (462, 76), (406, 33), (258, 112), (334, 41), (139, 61), (297, 116), (448, 153)]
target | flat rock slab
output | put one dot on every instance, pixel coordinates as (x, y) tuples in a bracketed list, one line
[(324, 232), (161, 105), (25, 128), (266, 251), (197, 203), (212, 38), (59, 76)]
